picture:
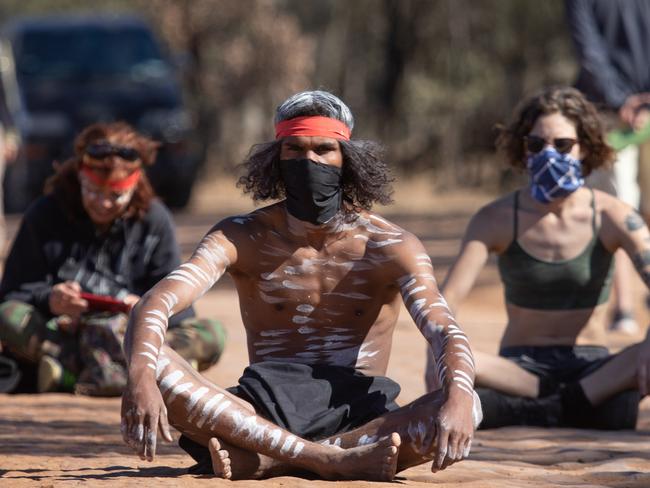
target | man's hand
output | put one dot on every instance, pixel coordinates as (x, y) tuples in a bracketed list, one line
[(454, 430), (143, 412), (631, 107), (65, 299)]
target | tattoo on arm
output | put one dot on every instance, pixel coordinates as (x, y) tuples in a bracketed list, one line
[(634, 222)]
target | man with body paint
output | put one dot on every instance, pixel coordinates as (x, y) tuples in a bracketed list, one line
[(320, 279), (97, 230)]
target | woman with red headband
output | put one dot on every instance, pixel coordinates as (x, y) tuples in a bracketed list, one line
[(84, 254)]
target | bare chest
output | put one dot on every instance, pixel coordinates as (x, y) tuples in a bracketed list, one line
[(553, 240), (311, 306), (308, 286)]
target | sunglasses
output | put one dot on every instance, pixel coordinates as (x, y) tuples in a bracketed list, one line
[(563, 145), (103, 150)]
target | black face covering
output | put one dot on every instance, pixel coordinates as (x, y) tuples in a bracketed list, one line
[(313, 189)]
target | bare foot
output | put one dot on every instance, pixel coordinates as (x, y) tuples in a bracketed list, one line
[(372, 462), (220, 460), (235, 463)]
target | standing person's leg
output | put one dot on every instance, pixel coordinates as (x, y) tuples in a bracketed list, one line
[(644, 188), (644, 180), (201, 411), (625, 171)]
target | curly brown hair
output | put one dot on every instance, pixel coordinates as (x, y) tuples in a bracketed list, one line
[(64, 183), (573, 105), (365, 177)]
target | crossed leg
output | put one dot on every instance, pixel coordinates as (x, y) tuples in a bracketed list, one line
[(616, 375), (415, 424), (203, 411)]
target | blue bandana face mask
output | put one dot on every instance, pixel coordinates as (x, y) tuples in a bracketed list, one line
[(553, 175)]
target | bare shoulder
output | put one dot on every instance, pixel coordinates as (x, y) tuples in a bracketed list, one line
[(493, 224), (387, 239), (244, 228), (376, 225), (497, 212), (616, 214)]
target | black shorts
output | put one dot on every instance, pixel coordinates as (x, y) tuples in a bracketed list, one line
[(315, 401), (310, 401), (558, 366), (564, 364)]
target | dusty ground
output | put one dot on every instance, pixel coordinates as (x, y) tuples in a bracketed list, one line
[(62, 440)]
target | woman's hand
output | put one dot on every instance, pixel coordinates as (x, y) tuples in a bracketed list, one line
[(143, 412), (454, 430), (65, 299)]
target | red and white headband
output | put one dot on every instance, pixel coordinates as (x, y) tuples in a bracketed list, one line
[(126, 183)]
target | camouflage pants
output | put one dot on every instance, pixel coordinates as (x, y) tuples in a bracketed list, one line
[(91, 355)]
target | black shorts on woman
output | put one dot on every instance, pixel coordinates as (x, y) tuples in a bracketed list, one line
[(561, 403)]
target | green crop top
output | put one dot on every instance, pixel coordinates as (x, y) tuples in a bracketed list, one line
[(581, 282)]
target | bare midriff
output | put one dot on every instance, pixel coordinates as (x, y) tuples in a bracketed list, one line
[(529, 327)]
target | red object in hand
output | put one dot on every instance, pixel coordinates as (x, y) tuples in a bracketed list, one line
[(105, 303)]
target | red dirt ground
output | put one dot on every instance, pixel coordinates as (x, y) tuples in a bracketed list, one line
[(63, 440)]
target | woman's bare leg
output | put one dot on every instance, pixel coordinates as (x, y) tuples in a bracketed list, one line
[(503, 375), (616, 375), (202, 411)]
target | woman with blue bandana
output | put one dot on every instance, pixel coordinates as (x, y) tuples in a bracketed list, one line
[(554, 240)]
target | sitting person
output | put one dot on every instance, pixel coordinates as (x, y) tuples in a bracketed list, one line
[(320, 279), (97, 230), (554, 240)]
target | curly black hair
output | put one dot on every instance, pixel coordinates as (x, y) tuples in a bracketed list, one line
[(365, 179)]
